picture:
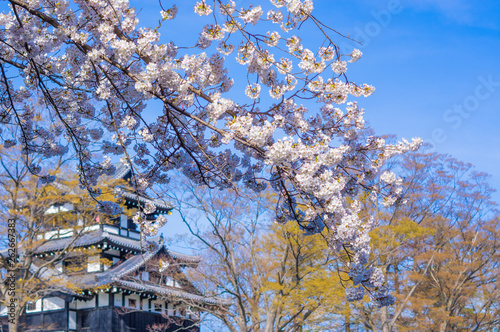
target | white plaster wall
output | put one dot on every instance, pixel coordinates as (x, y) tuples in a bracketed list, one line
[(103, 299), (110, 229), (72, 320), (91, 228), (66, 232), (123, 221), (50, 235), (53, 303), (134, 235), (118, 300), (170, 307), (85, 304), (94, 263)]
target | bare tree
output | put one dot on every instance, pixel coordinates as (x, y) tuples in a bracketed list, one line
[(275, 278)]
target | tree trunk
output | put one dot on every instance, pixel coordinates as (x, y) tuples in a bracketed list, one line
[(385, 322), (12, 302), (14, 324), (13, 315), (347, 319)]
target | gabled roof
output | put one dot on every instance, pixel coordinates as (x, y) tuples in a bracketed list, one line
[(121, 171), (116, 276), (128, 266), (114, 273)]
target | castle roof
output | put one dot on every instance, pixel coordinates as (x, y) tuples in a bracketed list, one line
[(121, 171), (172, 292), (120, 276), (124, 171), (160, 205), (101, 235)]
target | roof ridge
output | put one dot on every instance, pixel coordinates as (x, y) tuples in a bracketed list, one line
[(129, 265), (175, 292), (175, 254)]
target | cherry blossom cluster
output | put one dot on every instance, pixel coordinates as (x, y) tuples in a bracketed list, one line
[(149, 227), (149, 208), (162, 265), (89, 69), (111, 208)]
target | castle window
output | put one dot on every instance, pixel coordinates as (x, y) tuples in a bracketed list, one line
[(132, 303), (31, 306), (158, 307), (94, 263), (72, 265), (123, 221)]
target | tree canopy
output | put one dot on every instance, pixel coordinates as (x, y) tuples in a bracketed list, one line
[(438, 249)]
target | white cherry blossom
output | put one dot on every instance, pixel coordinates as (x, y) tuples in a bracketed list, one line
[(81, 76)]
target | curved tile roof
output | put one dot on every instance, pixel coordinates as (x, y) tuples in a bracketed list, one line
[(172, 292), (98, 236), (184, 257), (143, 199), (113, 277), (121, 171), (87, 239), (128, 266)]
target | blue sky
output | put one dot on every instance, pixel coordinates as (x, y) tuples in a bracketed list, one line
[(434, 64), (435, 67)]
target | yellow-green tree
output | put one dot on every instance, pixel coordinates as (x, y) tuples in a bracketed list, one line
[(439, 248), (274, 277), (29, 208)]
